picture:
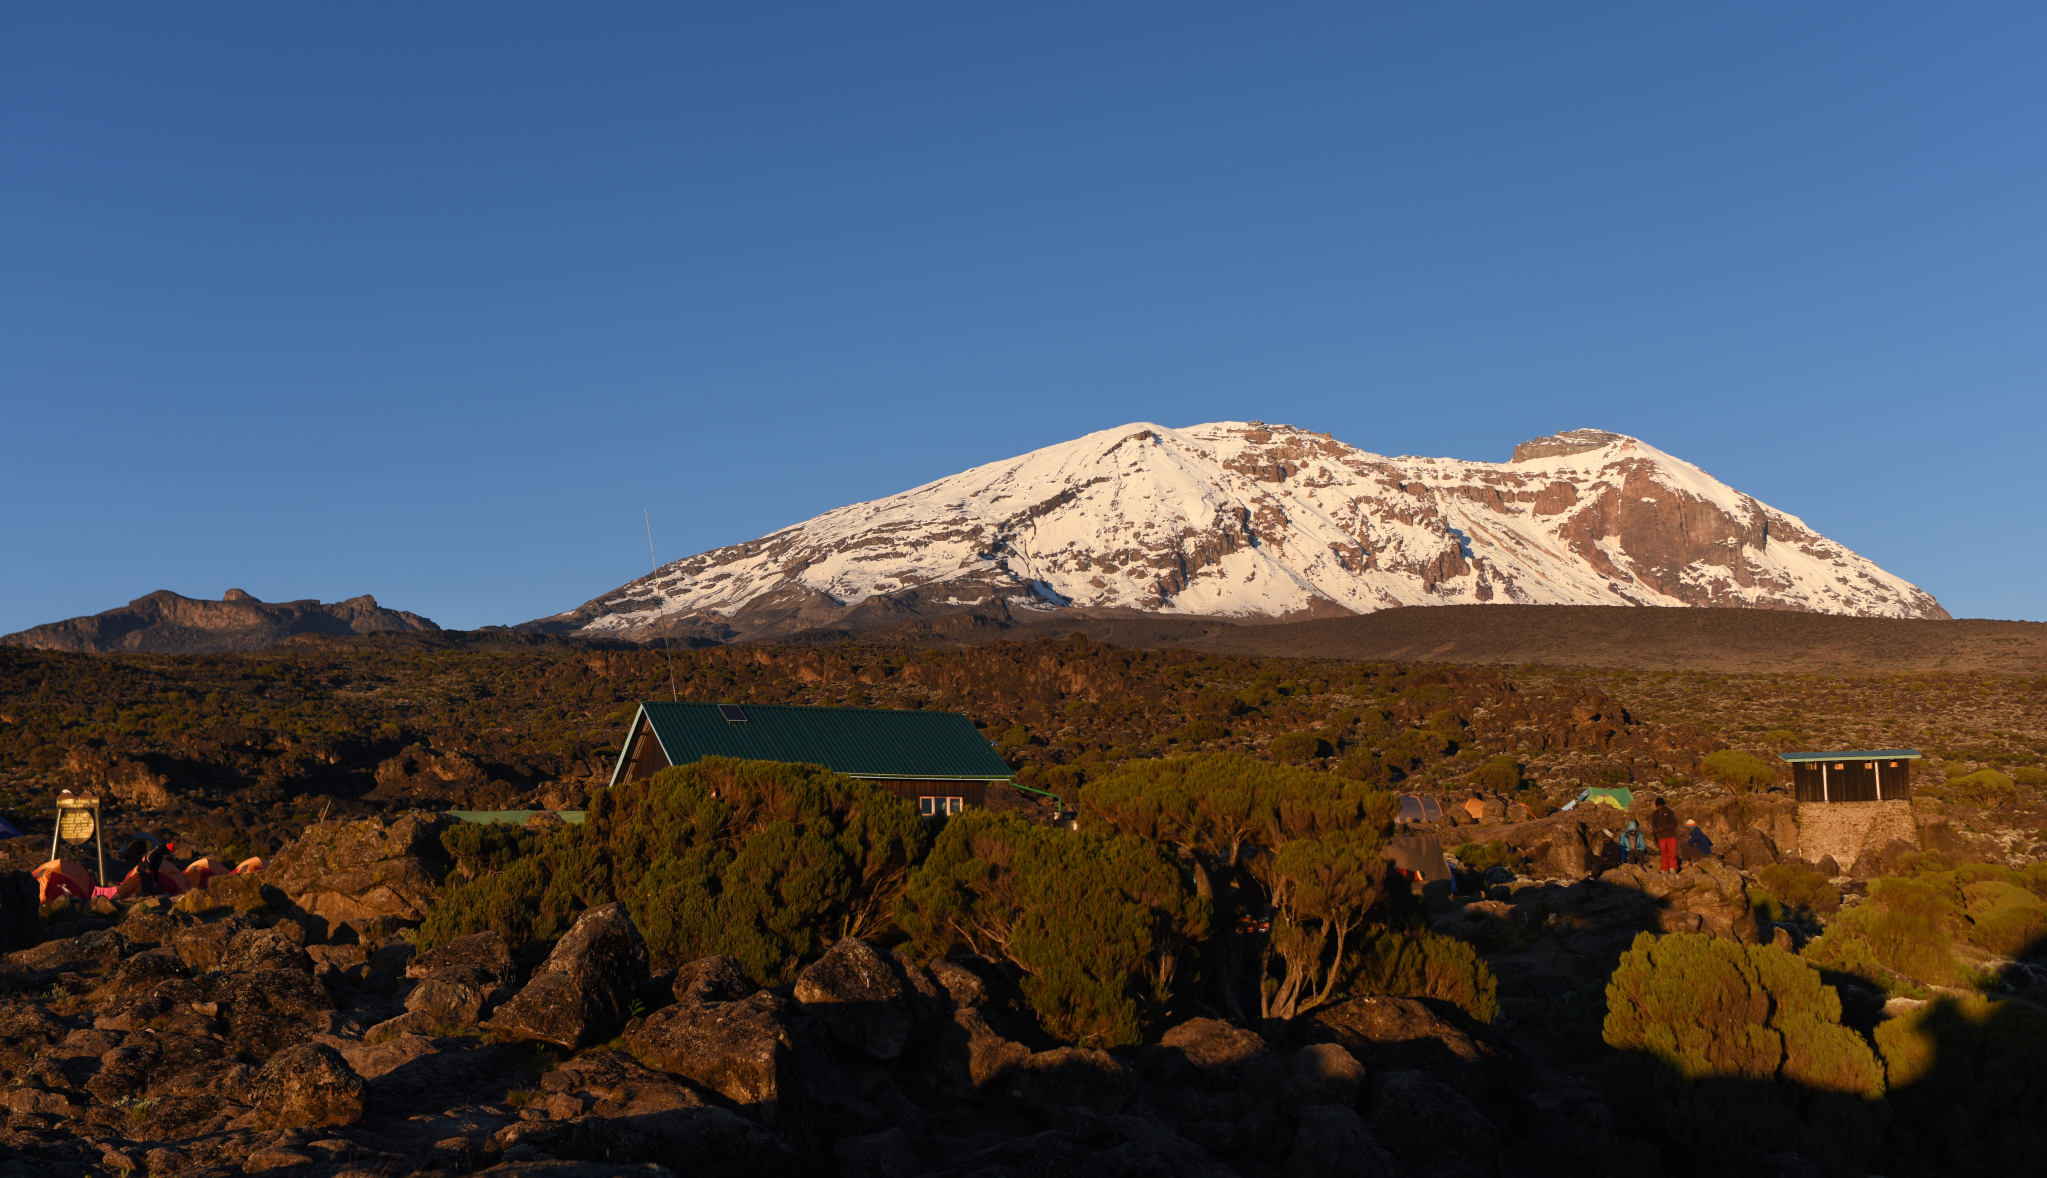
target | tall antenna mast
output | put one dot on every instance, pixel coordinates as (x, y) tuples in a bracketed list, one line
[(654, 566)]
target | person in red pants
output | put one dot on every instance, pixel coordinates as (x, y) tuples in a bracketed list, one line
[(1663, 823)]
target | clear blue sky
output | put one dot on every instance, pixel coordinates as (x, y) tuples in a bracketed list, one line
[(429, 301)]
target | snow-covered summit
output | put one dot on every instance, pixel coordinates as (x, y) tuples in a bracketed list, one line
[(1256, 522)]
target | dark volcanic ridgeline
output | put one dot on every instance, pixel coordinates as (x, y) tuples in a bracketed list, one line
[(1641, 638), (164, 622)]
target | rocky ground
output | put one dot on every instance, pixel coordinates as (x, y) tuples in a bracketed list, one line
[(284, 1022)]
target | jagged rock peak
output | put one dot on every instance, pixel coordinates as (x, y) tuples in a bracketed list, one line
[(1571, 441), (1252, 521)]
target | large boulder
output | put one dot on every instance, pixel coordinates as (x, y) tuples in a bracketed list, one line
[(1404, 1034), (1334, 1142), (93, 953), (743, 1050), (712, 979), (1211, 1079), (308, 1085), (364, 868), (486, 952), (860, 997), (1431, 1127), (966, 1057), (1321, 1073), (1706, 896), (1070, 1083), (583, 993), (263, 948), (458, 995)]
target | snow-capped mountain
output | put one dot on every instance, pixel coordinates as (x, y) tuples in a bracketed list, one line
[(1248, 521)]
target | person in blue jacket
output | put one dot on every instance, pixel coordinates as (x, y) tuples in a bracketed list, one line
[(1696, 839), (1632, 844)]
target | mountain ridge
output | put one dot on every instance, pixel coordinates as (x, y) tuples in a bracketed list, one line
[(1249, 522), (164, 622)]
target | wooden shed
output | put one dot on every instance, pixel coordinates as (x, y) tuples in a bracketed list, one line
[(1866, 775), (935, 759)]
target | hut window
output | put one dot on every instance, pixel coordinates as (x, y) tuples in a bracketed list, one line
[(939, 807), (1838, 768), (1869, 764)]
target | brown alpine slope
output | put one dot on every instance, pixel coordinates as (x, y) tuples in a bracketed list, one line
[(164, 622), (1635, 637)]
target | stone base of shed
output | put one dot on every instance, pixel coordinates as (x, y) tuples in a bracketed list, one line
[(1849, 830)]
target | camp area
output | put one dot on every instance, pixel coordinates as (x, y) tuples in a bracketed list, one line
[(935, 759)]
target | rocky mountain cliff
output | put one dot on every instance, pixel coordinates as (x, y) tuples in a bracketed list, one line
[(164, 622), (1252, 522)]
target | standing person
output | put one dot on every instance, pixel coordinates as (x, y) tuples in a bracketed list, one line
[(1663, 824)]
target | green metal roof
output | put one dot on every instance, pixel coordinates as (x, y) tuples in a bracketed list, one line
[(859, 742), (513, 817), (1857, 755)]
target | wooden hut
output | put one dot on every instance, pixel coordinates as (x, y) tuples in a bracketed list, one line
[(1868, 775), (936, 759)]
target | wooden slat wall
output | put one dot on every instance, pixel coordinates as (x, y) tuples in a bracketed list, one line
[(1853, 782)]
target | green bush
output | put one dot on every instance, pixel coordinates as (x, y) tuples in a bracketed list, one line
[(1737, 770), (1904, 933), (1098, 925), (1479, 856), (1800, 893), (763, 861), (1984, 787), (1733, 1052), (1966, 1084), (1502, 774), (481, 847), (1428, 965), (2030, 776), (1297, 747)]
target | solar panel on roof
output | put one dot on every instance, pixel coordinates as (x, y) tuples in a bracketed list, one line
[(733, 713)]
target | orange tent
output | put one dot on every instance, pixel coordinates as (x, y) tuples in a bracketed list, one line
[(62, 877)]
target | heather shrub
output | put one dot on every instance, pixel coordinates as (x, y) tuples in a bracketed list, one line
[(482, 847), (2029, 776), (1796, 892), (1427, 965), (1479, 856), (1737, 770), (1984, 787), (1297, 747), (1732, 1052), (1967, 1086), (1501, 774), (1906, 928), (1098, 925), (763, 861)]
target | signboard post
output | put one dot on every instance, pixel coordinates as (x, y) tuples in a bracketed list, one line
[(78, 821)]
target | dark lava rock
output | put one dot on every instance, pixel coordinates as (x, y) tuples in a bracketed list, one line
[(1321, 1073), (484, 951), (583, 993), (1334, 1142), (263, 948), (1207, 1071), (309, 1085), (1431, 1128), (712, 979), (860, 998), (966, 1058), (743, 1051), (1068, 1083)]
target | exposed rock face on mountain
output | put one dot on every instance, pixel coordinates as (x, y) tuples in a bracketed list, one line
[(165, 623), (1255, 522)]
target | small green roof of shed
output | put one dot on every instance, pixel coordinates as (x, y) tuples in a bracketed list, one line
[(898, 745), (1856, 755)]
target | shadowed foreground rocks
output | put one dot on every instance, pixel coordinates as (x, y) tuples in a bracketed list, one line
[(294, 1029)]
